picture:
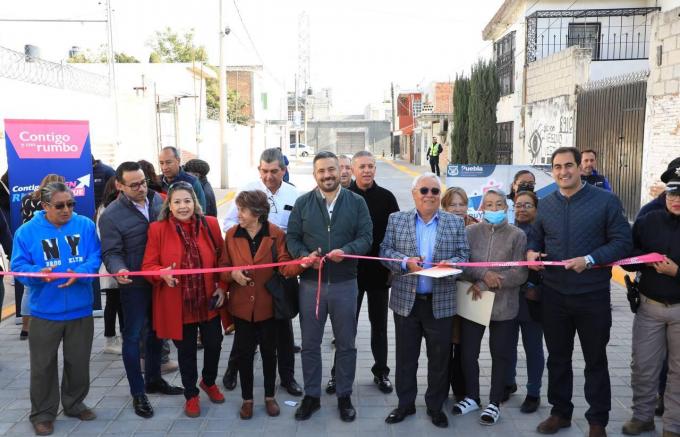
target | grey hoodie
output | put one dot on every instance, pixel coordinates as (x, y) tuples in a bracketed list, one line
[(502, 242)]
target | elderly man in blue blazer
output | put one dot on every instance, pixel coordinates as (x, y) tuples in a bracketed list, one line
[(423, 306)]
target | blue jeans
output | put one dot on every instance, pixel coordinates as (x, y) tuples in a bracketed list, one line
[(136, 304), (532, 339)]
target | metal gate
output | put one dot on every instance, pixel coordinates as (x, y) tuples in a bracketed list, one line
[(350, 142), (610, 119)]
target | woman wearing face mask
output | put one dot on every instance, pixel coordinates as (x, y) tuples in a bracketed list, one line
[(528, 318), (524, 180), (491, 240)]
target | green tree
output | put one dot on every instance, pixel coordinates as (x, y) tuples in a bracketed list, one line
[(169, 46), (122, 58), (100, 55), (459, 134), (484, 95)]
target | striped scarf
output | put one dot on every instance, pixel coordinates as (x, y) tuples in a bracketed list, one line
[(194, 300)]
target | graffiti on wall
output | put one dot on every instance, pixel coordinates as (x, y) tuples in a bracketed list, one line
[(550, 126)]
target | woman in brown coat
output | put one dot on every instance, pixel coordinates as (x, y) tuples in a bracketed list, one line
[(250, 243)]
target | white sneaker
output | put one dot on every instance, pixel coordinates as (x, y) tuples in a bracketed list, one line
[(490, 415), (98, 313), (465, 406), (169, 367), (113, 346)]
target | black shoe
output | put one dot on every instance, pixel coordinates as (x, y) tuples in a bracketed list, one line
[(659, 406), (399, 414), (347, 411), (308, 407), (438, 418), (384, 383), (330, 387), (229, 380), (509, 389), (163, 387), (142, 406), (292, 387), (530, 404), (296, 349)]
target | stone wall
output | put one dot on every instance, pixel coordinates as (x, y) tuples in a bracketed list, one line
[(662, 124), (558, 74)]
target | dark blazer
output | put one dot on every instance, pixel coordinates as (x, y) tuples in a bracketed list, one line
[(400, 242)]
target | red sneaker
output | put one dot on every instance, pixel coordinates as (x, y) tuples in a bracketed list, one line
[(192, 407), (214, 393)]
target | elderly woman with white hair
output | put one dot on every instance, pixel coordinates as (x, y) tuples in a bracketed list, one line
[(491, 240)]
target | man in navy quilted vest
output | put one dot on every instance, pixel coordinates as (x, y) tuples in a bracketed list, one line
[(586, 227)]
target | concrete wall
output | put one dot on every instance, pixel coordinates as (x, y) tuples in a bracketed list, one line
[(323, 134), (558, 74), (662, 124), (550, 124)]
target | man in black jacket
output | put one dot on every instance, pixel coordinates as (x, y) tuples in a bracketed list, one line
[(373, 277), (330, 221), (123, 226), (584, 226)]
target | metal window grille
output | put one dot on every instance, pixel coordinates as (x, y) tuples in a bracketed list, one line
[(504, 52), (504, 143)]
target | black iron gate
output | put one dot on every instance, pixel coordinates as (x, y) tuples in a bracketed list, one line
[(610, 119)]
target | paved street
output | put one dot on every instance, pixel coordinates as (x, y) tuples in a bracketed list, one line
[(109, 393)]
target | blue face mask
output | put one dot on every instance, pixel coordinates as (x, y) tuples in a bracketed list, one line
[(495, 217)]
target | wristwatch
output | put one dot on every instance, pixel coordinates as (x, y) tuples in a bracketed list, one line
[(589, 262)]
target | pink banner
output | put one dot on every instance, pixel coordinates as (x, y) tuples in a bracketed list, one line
[(47, 139)]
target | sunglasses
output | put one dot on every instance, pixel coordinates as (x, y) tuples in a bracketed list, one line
[(180, 184), (62, 205), (424, 190)]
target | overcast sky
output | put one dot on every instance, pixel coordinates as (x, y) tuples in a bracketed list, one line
[(357, 46)]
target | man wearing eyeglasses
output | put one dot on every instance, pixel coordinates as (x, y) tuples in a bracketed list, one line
[(423, 306), (281, 196), (123, 226)]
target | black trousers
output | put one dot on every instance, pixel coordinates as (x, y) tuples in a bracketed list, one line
[(250, 334), (285, 353), (409, 334), (378, 299), (434, 164), (211, 336), (588, 315), (111, 310), (500, 346), (456, 377)]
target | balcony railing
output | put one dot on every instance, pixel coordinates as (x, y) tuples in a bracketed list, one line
[(612, 34)]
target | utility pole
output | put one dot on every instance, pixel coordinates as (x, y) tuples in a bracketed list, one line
[(223, 153), (296, 120), (112, 70), (394, 123)]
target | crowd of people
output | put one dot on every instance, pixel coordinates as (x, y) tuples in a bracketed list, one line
[(162, 224)]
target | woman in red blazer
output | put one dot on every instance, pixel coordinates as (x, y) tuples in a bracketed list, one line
[(250, 243), (183, 238)]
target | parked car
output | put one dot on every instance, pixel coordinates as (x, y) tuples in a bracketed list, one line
[(299, 149)]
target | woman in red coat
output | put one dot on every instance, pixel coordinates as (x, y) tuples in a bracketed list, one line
[(251, 242), (183, 238)]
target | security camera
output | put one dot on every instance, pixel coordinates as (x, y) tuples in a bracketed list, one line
[(227, 30)]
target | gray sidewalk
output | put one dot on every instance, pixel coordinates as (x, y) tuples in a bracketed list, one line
[(109, 395)]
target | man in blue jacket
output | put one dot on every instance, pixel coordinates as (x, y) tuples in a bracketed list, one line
[(584, 226), (58, 240)]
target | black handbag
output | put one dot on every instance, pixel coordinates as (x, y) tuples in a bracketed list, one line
[(284, 291)]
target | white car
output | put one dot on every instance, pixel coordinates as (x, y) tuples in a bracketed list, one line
[(299, 149)]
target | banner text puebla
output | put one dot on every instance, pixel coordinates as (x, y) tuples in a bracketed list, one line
[(36, 148)]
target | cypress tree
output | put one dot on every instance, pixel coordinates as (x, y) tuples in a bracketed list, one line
[(484, 95), (459, 134)]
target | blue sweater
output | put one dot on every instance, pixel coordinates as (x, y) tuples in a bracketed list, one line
[(591, 222), (75, 245)]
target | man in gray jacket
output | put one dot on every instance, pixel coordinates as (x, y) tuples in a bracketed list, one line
[(330, 221), (123, 226)]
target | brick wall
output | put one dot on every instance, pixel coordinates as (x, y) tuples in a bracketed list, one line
[(557, 75), (662, 124), (242, 83)]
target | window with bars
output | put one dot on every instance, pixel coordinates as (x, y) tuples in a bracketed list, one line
[(504, 143), (504, 54), (585, 35)]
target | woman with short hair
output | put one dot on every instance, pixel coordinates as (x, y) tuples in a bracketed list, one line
[(250, 242)]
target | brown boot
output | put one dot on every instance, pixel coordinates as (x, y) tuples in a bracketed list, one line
[(552, 424), (246, 410), (636, 427), (597, 431), (43, 428), (272, 407)]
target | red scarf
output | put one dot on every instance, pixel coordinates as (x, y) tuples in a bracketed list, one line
[(194, 300)]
